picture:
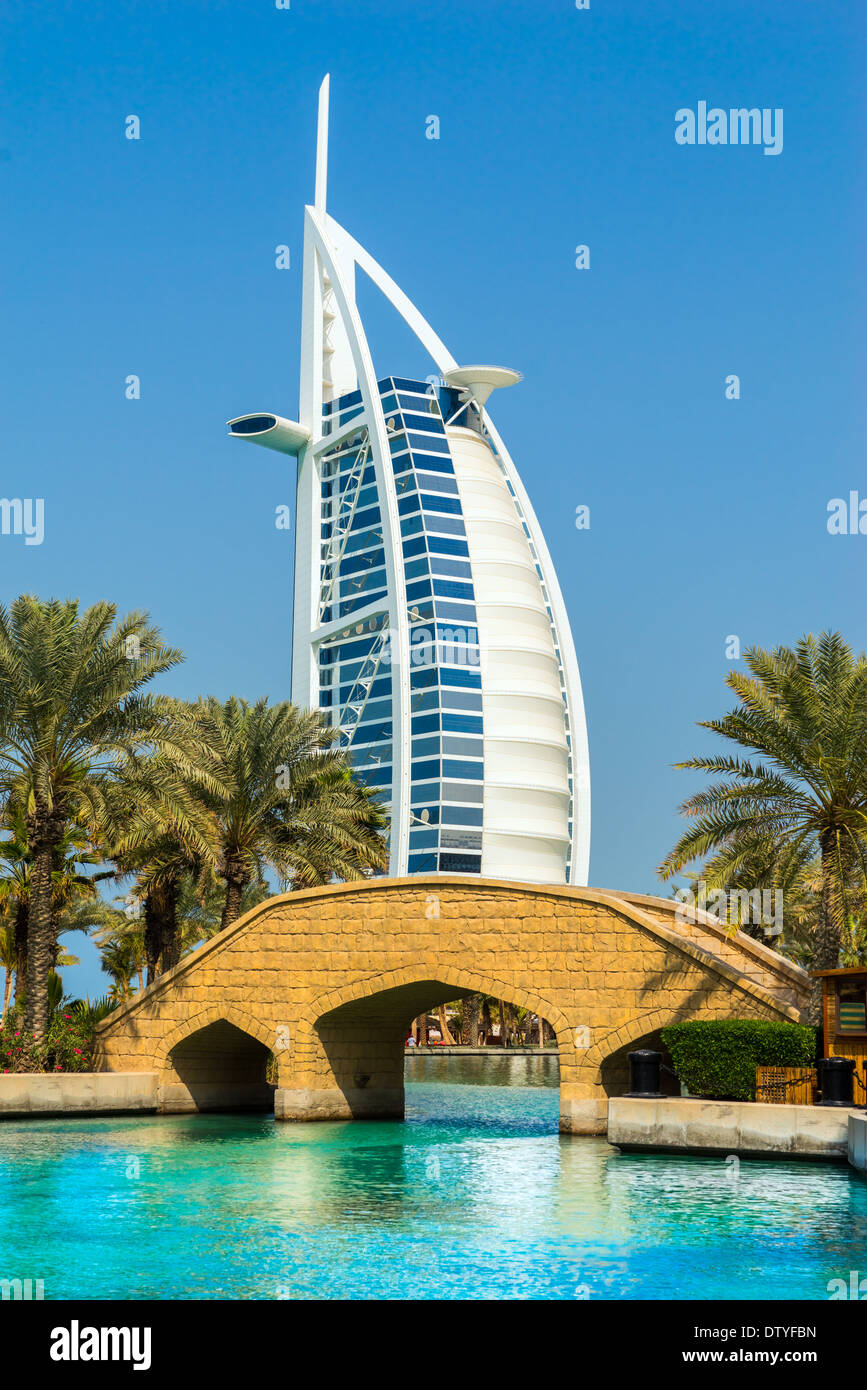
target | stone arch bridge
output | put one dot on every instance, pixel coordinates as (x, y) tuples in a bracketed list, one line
[(329, 980)]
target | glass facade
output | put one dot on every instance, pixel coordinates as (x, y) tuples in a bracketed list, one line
[(355, 674)]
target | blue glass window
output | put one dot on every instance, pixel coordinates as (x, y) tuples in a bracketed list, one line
[(422, 611), (364, 517), (402, 383), (462, 815), (466, 840), (460, 568), (464, 613), (444, 545), (377, 776), (426, 747), (423, 422), (453, 588), (472, 772), (420, 589), (426, 796), (460, 747), (352, 564), (424, 770), (462, 699), (432, 482), (460, 863), (416, 568), (421, 680), (454, 636), (365, 540), (448, 525), (376, 709), (428, 443), (462, 723), (422, 863), (423, 723), (423, 839), (435, 502)]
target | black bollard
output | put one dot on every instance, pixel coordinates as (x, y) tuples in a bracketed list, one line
[(836, 1073), (644, 1074)]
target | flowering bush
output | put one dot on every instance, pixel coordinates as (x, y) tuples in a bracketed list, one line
[(18, 1051), (68, 1044)]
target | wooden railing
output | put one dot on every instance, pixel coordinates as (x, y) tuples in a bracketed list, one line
[(786, 1085)]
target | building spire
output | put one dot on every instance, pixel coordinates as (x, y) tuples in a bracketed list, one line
[(322, 147)]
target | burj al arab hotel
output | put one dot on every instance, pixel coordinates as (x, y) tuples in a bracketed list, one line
[(429, 624)]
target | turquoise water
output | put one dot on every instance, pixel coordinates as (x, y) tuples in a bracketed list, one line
[(474, 1195)]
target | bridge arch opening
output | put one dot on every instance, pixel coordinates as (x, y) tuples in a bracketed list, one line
[(218, 1066), (614, 1071), (360, 1049)]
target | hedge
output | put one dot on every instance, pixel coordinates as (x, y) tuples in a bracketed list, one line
[(717, 1059)]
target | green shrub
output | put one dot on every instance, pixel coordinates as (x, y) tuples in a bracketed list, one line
[(717, 1059), (68, 1043), (67, 1046), (18, 1051)]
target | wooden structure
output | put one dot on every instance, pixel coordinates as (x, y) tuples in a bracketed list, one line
[(786, 1085), (844, 1019)]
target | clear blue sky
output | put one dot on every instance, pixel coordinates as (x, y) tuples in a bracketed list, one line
[(156, 257)]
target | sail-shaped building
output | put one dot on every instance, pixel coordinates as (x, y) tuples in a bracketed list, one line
[(429, 624)]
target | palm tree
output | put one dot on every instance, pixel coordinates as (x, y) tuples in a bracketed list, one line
[(123, 938), (157, 826), (71, 710), (8, 961), (71, 889), (123, 958), (803, 713), (283, 794), (15, 888)]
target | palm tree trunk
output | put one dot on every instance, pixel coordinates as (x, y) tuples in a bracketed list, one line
[(444, 1027), (236, 879), (487, 1026), (169, 936), (152, 938), (504, 1027), (39, 926), (7, 994), (470, 1021), (21, 915), (827, 954)]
